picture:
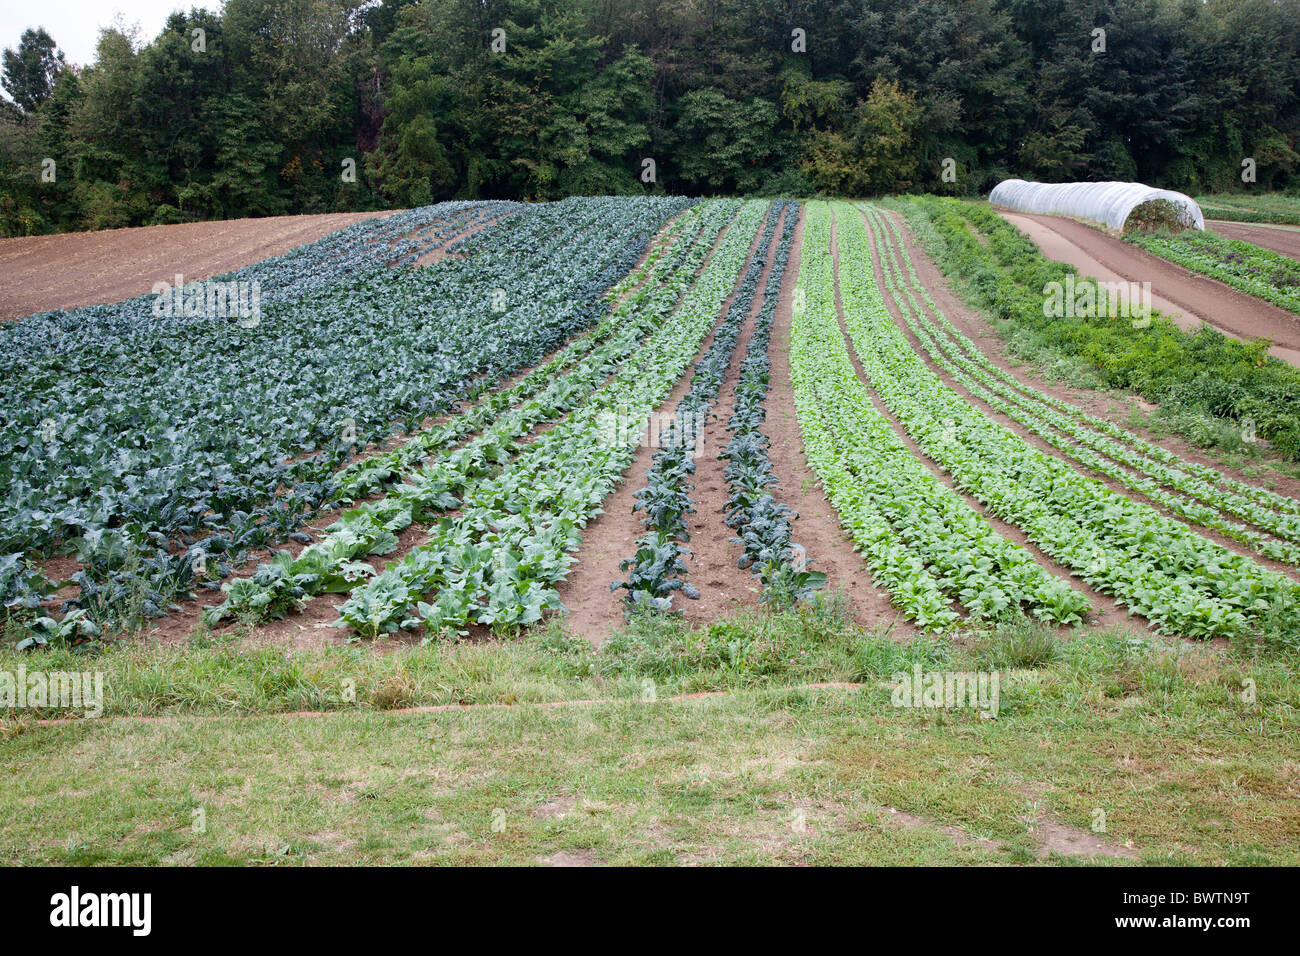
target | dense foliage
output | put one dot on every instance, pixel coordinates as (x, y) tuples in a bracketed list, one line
[(920, 540), (573, 95), (123, 435)]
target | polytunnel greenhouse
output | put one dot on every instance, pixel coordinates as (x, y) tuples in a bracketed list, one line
[(1107, 203)]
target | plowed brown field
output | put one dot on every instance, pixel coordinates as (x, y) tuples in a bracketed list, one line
[(87, 268)]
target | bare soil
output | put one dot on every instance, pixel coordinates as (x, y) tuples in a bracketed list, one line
[(1281, 239), (1186, 297), (73, 269), (712, 564)]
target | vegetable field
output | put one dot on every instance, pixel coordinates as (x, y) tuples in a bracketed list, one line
[(422, 430)]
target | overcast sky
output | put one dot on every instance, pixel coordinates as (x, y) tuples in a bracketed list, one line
[(75, 24)]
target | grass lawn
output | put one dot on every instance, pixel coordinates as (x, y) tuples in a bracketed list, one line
[(1106, 748)]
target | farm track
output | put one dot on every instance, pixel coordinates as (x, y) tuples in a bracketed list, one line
[(74, 269), (1280, 239), (1199, 298), (897, 310)]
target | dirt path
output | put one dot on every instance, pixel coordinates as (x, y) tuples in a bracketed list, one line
[(1281, 239), (1188, 299), (543, 705), (87, 268), (830, 548)]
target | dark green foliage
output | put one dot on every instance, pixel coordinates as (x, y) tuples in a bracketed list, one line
[(31, 71), (127, 436), (883, 92)]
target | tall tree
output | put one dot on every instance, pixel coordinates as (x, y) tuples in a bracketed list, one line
[(30, 71)]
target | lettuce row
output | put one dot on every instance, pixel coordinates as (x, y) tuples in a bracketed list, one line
[(920, 540), (1038, 413), (1180, 582)]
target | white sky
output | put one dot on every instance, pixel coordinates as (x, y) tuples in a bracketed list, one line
[(74, 24)]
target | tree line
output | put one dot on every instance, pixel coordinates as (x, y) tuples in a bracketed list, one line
[(299, 106)]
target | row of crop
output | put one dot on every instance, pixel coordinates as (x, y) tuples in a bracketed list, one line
[(673, 259), (1247, 207), (1205, 372), (1182, 583), (213, 430), (919, 539), (657, 570), (419, 493), (1180, 491), (764, 525), (452, 234), (1232, 493), (497, 560), (1246, 267)]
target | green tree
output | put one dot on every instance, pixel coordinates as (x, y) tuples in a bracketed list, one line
[(877, 153), (30, 72), (724, 145)]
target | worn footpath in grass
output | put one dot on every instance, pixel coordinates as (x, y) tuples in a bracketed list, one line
[(1106, 748)]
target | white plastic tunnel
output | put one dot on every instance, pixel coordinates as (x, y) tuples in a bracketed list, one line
[(1105, 203)]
